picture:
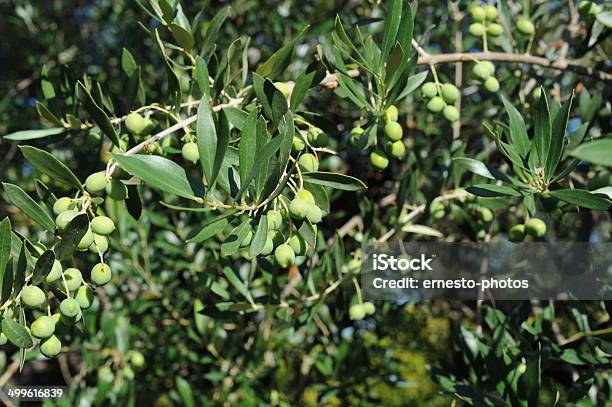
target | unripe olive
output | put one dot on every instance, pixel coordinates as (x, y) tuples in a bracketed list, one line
[(451, 113), (314, 214), (485, 214), (63, 204), (516, 233), (284, 88), (32, 296), (70, 307), (3, 338), (297, 144), (369, 308), (284, 255), (137, 359), (535, 227), (128, 373), (436, 104), (495, 30), (116, 190), (101, 274), (357, 312), (476, 29), (275, 219), (436, 206), (102, 225), (492, 85), (190, 152), (105, 374), (135, 123), (478, 14), (308, 162), (391, 114), (429, 90), (298, 244), (51, 346), (247, 239), (379, 159), (99, 245), (149, 125), (268, 246), (358, 138), (397, 149), (64, 218), (393, 131), (490, 12), (481, 234), (43, 327), (86, 240), (84, 296), (55, 273), (489, 65), (276, 236), (298, 208), (306, 195), (450, 93), (96, 182), (317, 137), (481, 71), (73, 278), (525, 26)]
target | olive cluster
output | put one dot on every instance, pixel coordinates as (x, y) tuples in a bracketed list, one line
[(589, 9), (534, 227), (441, 97), (470, 212), (484, 21), (360, 310)]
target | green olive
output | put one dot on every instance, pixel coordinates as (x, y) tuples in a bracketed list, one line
[(393, 131), (451, 113), (99, 245), (84, 296), (43, 327), (96, 182), (391, 114), (485, 214), (284, 88), (284, 255), (308, 162), (298, 244), (101, 274), (450, 93), (116, 190), (476, 29), (357, 312), (436, 104), (55, 273), (525, 26), (298, 208), (306, 195), (297, 144), (495, 30), (516, 233), (135, 123), (490, 12), (64, 218), (70, 307), (369, 308), (314, 214), (86, 240), (275, 219), (535, 227), (379, 160), (63, 204), (429, 90), (478, 14), (51, 346), (32, 296), (73, 278), (397, 148), (102, 225), (482, 71), (492, 85), (190, 152)]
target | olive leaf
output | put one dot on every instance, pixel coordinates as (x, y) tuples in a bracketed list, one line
[(16, 333), (33, 210), (51, 166)]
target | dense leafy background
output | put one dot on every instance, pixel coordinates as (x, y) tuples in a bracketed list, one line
[(312, 354)]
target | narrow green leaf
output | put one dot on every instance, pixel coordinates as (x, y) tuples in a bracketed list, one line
[(71, 236), (259, 239), (5, 246), (47, 164), (333, 180), (312, 75), (20, 269), (406, 31), (236, 237), (278, 62), (595, 152), (183, 37), (43, 267), (202, 76), (320, 195), (475, 166), (541, 134), (16, 333), (128, 63), (237, 283), (161, 173), (185, 392), (222, 143), (237, 117), (211, 228), (207, 138), (28, 206), (391, 26), (518, 131), (34, 134), (248, 145), (263, 156), (583, 198), (559, 125), (491, 190), (97, 114), (210, 37), (307, 232), (412, 84)]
